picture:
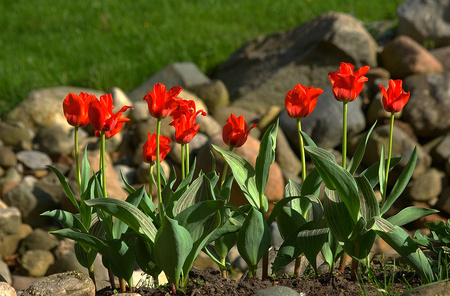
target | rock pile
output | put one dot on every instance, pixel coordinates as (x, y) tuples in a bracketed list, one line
[(253, 83)]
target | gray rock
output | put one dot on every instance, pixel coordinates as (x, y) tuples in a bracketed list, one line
[(177, 74), (70, 283), (214, 94), (440, 288), (209, 125), (428, 186), (120, 100), (7, 290), (403, 56), (9, 244), (429, 104), (7, 157), (34, 160), (22, 198), (10, 220), (425, 21), (260, 73), (15, 134), (38, 240), (55, 140), (442, 54), (128, 173), (5, 273), (443, 203), (35, 263), (441, 152), (277, 291), (324, 124)]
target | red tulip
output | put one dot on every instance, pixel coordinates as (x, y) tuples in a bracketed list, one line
[(395, 98), (102, 117), (235, 131), (348, 84), (161, 102), (149, 148), (300, 101), (184, 117), (76, 108)]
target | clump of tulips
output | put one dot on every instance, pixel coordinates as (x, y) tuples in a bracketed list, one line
[(196, 215)]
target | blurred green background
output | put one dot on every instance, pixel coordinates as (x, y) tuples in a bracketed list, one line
[(105, 43)]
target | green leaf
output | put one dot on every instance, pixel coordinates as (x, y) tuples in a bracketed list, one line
[(369, 204), (410, 214), (337, 178), (401, 182), (266, 157), (84, 239), (130, 189), (382, 171), (66, 219), (293, 188), (380, 224), (253, 239), (308, 141), (407, 248), (128, 213), (311, 242), (85, 171), (65, 187), (120, 227), (288, 251), (311, 185), (359, 153), (85, 257), (200, 190), (288, 220), (172, 246), (121, 258), (371, 173), (244, 174), (337, 216)]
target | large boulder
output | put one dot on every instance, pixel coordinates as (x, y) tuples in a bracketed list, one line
[(426, 21), (260, 73)]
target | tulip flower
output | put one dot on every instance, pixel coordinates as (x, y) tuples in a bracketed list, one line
[(76, 108), (235, 131), (149, 148), (395, 98), (300, 101), (161, 102), (347, 85)]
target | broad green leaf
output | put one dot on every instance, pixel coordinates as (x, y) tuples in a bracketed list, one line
[(369, 204), (200, 190), (401, 182), (410, 214), (337, 178), (65, 187), (279, 205), (223, 230), (224, 244), (172, 246), (293, 188), (311, 242), (120, 227), (380, 224), (145, 258), (331, 250), (288, 251), (407, 248), (311, 185), (121, 258), (266, 157), (288, 220), (85, 257), (84, 239), (244, 174), (128, 213), (307, 139), (66, 219), (359, 153), (371, 173), (337, 216), (130, 189), (253, 239), (85, 171), (359, 230)]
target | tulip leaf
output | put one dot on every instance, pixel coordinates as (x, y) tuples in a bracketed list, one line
[(371, 173), (289, 220), (86, 240), (401, 182), (307, 139), (288, 251), (410, 214), (311, 185), (85, 171), (293, 188), (253, 239), (382, 171), (244, 174), (336, 178), (398, 239), (172, 246), (266, 157), (359, 153), (85, 257), (128, 213), (369, 204), (380, 224), (66, 219), (311, 242), (65, 187), (337, 216), (120, 227), (121, 258)]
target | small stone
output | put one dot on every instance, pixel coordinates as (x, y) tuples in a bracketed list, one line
[(34, 160), (277, 291), (5, 273), (55, 140), (7, 290), (7, 157), (440, 288), (70, 283), (15, 134), (21, 197), (38, 240), (35, 263), (427, 186), (10, 220)]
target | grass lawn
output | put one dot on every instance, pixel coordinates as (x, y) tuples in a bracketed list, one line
[(105, 43)]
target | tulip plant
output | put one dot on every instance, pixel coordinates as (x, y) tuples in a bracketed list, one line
[(197, 215)]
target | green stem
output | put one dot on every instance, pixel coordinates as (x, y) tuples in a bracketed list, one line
[(225, 169), (77, 158), (158, 168), (186, 147), (92, 273), (344, 137), (302, 149), (183, 162), (391, 132), (103, 162), (150, 182)]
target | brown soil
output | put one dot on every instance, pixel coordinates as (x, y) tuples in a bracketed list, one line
[(209, 282)]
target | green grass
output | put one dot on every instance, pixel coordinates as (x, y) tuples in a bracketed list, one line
[(105, 43)]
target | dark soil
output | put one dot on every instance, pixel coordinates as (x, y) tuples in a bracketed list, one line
[(210, 282)]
